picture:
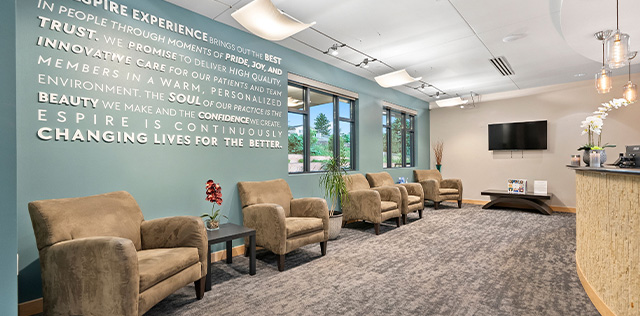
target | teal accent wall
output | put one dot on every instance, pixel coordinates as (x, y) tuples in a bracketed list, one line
[(166, 180), (8, 229)]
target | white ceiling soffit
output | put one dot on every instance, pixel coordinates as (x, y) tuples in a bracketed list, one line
[(449, 42)]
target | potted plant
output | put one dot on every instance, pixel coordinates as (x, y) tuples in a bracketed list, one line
[(334, 186), (592, 126), (438, 148), (214, 195)]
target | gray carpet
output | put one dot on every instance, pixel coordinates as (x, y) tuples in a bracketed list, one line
[(454, 261)]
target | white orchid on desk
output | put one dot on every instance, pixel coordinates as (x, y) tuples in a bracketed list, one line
[(593, 124)]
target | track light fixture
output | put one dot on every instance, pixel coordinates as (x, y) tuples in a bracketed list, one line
[(438, 95), (333, 50), (365, 63)]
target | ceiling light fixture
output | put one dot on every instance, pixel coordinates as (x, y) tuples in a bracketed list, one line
[(396, 78), (293, 102), (365, 63), (513, 37), (617, 46), (263, 19), (333, 50), (451, 102), (603, 78), (630, 89), (438, 95)]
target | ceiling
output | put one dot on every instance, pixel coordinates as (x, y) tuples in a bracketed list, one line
[(449, 42)]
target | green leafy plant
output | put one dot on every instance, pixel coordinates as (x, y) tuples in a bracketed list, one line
[(591, 147), (333, 183)]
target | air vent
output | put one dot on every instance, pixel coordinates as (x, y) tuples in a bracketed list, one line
[(502, 65)]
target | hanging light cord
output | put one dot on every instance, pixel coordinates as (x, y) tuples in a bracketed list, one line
[(603, 53), (617, 16)]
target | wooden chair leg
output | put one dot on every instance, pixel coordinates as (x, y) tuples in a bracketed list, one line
[(404, 219), (459, 203), (280, 262), (200, 287), (323, 247), (344, 224), (420, 213), (376, 227), (398, 221), (436, 205)]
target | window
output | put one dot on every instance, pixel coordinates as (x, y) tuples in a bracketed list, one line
[(321, 125), (397, 138)]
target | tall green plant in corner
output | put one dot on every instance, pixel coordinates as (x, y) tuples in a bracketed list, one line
[(333, 184)]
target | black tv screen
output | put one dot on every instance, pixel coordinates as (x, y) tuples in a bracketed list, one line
[(518, 136)]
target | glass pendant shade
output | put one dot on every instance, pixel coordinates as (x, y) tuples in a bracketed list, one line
[(630, 92), (617, 50), (603, 81)]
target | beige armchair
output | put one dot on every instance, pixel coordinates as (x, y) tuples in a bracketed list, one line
[(283, 223), (374, 205), (436, 189), (99, 256), (412, 193)]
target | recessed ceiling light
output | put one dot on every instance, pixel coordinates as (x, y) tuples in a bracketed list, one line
[(513, 37), (580, 75)]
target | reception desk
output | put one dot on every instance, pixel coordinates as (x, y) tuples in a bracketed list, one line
[(608, 238)]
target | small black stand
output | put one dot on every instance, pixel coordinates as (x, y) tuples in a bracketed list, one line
[(227, 233)]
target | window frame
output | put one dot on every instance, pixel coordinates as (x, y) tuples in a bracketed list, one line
[(404, 131), (337, 119)]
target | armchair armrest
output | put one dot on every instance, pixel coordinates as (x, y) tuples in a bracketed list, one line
[(176, 231), (269, 222), (431, 188), (414, 189), (391, 194), (312, 207), (80, 272), (453, 184), (309, 207), (363, 204)]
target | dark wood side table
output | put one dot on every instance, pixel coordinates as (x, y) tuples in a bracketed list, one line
[(228, 232), (529, 199)]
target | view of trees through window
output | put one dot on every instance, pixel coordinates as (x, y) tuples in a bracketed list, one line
[(321, 126), (397, 139)]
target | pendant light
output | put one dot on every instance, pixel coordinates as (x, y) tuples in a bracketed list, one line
[(630, 89), (617, 46), (603, 78)]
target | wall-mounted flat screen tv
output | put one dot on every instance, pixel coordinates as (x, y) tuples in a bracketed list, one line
[(518, 136)]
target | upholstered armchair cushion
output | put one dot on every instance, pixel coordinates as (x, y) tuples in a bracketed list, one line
[(174, 232), (99, 257), (312, 207), (356, 182), (111, 214), (380, 179), (260, 192)]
